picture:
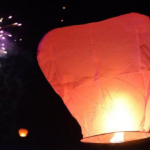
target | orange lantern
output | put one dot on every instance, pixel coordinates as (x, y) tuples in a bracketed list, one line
[(101, 71), (23, 132)]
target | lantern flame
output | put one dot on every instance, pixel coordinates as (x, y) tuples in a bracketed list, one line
[(23, 135), (118, 138)]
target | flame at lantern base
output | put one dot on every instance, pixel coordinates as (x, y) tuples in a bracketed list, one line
[(23, 135), (118, 138)]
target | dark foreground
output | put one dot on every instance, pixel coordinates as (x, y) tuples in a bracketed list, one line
[(22, 145)]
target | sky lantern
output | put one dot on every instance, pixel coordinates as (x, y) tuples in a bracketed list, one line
[(23, 132), (101, 71)]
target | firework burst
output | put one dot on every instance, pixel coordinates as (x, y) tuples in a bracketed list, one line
[(4, 34)]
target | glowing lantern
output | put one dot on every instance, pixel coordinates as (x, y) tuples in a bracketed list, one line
[(23, 132), (101, 71)]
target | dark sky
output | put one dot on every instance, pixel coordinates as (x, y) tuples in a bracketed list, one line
[(39, 108), (38, 17)]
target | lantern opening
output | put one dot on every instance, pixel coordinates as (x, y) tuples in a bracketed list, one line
[(117, 137), (22, 135)]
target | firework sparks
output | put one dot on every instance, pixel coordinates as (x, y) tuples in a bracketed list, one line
[(4, 35)]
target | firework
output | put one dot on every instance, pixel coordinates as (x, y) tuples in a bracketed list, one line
[(4, 34)]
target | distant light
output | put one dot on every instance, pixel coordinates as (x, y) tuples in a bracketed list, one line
[(5, 52), (19, 24), (3, 48), (15, 40), (9, 35), (3, 38), (15, 23), (9, 17), (1, 31), (1, 35), (1, 19), (3, 44), (23, 132), (0, 27), (62, 20), (20, 39), (63, 7)]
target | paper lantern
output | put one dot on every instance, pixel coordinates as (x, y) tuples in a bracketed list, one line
[(23, 132), (101, 70)]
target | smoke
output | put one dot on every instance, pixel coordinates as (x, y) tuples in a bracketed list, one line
[(14, 71)]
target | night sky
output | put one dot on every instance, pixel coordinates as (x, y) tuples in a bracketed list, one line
[(27, 99)]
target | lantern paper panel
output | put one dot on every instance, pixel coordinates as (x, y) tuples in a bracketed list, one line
[(101, 70)]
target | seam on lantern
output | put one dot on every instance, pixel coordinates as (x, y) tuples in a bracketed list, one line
[(85, 98), (95, 60), (57, 73), (48, 64), (86, 127), (63, 68), (49, 61), (104, 76), (52, 51), (147, 98), (107, 75), (122, 81), (131, 85), (138, 39)]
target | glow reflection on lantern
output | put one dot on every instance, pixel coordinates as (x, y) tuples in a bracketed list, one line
[(121, 112)]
